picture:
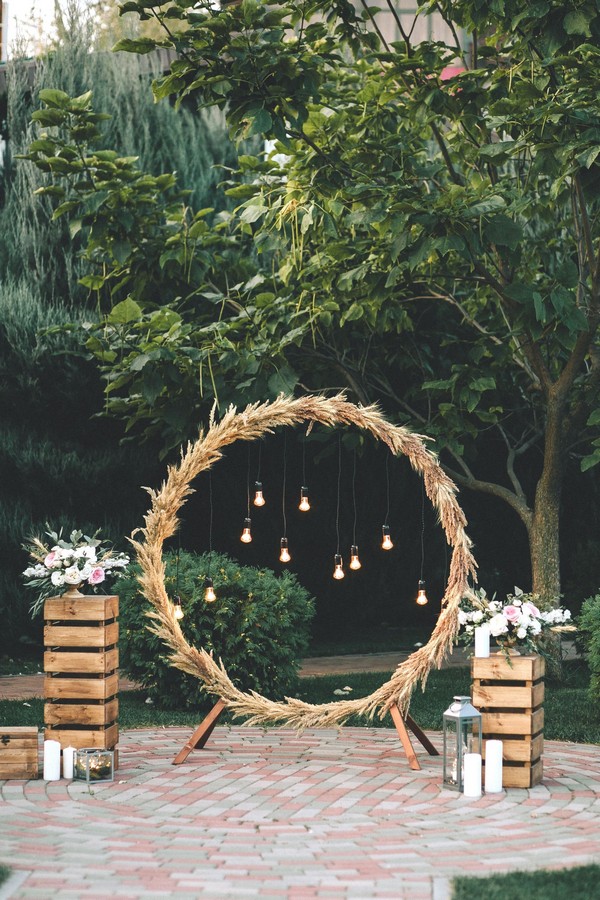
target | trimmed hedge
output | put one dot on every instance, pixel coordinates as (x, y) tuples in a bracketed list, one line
[(589, 636), (259, 626)]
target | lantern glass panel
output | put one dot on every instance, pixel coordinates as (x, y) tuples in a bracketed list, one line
[(461, 734), (92, 764)]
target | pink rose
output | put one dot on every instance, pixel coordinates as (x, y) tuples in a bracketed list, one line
[(511, 613), (531, 610), (50, 559), (96, 576)]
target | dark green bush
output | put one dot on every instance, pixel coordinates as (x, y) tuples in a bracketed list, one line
[(589, 636), (258, 625)]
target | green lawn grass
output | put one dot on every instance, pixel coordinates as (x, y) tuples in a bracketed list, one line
[(568, 713), (580, 883)]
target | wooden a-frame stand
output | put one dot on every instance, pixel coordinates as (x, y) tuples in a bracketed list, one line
[(205, 729)]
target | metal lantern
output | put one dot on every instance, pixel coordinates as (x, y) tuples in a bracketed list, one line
[(462, 734), (92, 764)]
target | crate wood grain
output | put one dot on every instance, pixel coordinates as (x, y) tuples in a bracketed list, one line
[(97, 662), (102, 738), (18, 752), (509, 694), (81, 713), (81, 662)]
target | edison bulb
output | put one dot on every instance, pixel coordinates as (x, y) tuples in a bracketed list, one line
[(209, 591), (355, 562), (338, 571), (386, 543), (259, 499), (304, 503), (246, 533), (178, 607), (422, 598), (284, 555)]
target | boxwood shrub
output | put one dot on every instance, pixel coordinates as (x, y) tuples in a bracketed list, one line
[(259, 626), (589, 636)]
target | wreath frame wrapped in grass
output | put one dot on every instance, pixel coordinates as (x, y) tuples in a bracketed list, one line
[(250, 424)]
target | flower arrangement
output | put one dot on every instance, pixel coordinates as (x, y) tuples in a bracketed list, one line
[(516, 622), (60, 564)]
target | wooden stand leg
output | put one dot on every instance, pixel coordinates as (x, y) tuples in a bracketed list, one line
[(202, 732), (421, 736), (401, 729)]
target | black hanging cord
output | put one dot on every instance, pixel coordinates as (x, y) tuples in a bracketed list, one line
[(210, 520), (339, 481), (354, 499), (284, 484), (303, 462), (422, 527), (177, 560), (248, 484), (387, 487), (259, 460)]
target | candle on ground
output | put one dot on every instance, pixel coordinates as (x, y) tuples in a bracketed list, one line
[(493, 767), (51, 761), (472, 775)]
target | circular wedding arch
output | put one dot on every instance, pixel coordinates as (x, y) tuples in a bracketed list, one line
[(253, 422)]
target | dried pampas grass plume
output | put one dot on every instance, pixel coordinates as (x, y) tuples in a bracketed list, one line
[(253, 422)]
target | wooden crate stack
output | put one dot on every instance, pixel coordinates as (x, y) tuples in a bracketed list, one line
[(509, 695), (18, 752), (81, 661)]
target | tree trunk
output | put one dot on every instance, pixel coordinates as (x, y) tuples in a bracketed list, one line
[(544, 536)]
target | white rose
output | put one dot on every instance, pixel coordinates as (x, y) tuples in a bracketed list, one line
[(89, 553), (498, 625), (72, 575), (521, 633), (86, 571), (536, 627), (57, 579), (477, 615), (566, 615), (462, 617)]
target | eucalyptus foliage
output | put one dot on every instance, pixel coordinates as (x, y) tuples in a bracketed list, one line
[(430, 242)]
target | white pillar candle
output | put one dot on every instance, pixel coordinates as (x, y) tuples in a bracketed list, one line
[(482, 640), (68, 759), (472, 775), (493, 767), (51, 761)]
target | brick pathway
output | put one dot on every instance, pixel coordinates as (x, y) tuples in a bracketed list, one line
[(268, 814)]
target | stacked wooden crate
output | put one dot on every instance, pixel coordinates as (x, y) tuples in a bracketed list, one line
[(81, 662), (509, 694), (18, 752)]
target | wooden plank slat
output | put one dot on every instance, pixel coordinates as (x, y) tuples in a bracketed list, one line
[(19, 755), (92, 608), (18, 771), (498, 697), (81, 713), (104, 739), (27, 733), (495, 724), (80, 688), (98, 662), (81, 636), (521, 668), (524, 776), (525, 750)]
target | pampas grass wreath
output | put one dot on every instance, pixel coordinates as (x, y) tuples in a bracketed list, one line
[(250, 424)]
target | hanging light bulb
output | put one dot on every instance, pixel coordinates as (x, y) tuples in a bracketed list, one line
[(355, 562), (386, 543), (246, 533), (338, 571), (259, 499), (284, 556), (304, 504), (178, 607), (209, 591), (422, 598)]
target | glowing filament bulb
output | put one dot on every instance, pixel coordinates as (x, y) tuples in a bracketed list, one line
[(284, 556), (259, 500), (422, 598), (178, 607), (338, 572), (304, 504), (355, 562), (209, 591), (386, 543), (246, 533)]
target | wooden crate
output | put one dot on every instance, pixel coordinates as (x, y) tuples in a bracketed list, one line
[(18, 752), (81, 661), (510, 696)]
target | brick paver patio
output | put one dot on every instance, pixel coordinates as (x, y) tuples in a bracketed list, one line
[(267, 813)]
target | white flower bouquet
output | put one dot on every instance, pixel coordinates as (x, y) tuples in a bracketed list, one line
[(516, 622), (59, 564)]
